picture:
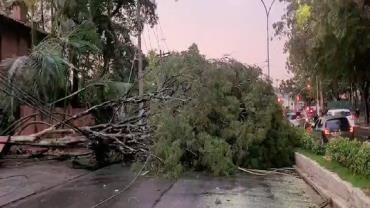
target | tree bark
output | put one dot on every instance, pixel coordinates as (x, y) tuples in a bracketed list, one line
[(42, 15), (75, 78), (52, 17), (321, 97), (365, 96)]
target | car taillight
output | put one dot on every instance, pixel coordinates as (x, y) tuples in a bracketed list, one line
[(326, 132), (351, 129)]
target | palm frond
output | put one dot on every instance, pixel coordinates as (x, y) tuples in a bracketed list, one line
[(14, 65)]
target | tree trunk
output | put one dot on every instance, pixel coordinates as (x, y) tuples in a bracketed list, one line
[(365, 95), (351, 95), (33, 29), (52, 17), (75, 78), (321, 98), (356, 100), (42, 15)]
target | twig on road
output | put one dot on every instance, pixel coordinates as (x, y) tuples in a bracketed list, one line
[(126, 187)]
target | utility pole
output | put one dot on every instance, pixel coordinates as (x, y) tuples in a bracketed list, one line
[(268, 10), (140, 52)]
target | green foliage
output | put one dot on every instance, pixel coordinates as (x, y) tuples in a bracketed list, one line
[(352, 154), (329, 40), (308, 142), (343, 150), (216, 155), (168, 147), (231, 117), (339, 104), (172, 154), (361, 164), (88, 39), (303, 14)]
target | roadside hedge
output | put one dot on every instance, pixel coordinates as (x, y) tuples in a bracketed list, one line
[(307, 142), (352, 154)]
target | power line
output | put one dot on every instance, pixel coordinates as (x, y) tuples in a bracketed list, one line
[(150, 41), (159, 35), (157, 39), (164, 37)]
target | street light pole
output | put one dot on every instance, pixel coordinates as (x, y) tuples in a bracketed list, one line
[(139, 52), (268, 10)]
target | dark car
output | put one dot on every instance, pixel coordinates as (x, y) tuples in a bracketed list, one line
[(330, 127)]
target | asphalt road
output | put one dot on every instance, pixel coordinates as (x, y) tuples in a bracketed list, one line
[(362, 132), (191, 191)]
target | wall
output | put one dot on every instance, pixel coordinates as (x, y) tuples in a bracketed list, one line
[(19, 12), (13, 44), (59, 113)]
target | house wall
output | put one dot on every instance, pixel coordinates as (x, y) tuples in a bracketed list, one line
[(19, 12), (33, 125), (14, 43)]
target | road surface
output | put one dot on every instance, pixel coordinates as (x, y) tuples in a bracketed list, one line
[(194, 190)]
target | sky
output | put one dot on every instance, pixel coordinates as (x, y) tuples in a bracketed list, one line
[(219, 27)]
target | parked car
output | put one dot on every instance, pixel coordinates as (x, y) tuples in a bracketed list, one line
[(331, 127), (342, 112), (295, 119)]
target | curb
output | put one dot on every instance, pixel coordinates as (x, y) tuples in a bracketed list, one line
[(340, 193)]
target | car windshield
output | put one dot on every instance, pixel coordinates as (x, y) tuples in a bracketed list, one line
[(337, 124)]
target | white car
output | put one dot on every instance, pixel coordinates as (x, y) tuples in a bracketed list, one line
[(342, 112), (295, 120)]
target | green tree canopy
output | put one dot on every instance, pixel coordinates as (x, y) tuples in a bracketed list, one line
[(228, 116)]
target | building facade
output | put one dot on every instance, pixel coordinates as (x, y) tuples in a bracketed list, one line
[(15, 33)]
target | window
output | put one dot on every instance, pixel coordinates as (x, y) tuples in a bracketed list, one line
[(341, 124)]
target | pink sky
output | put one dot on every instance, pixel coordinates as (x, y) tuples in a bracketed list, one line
[(218, 27)]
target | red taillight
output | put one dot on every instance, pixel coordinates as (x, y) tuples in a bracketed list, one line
[(326, 132), (351, 129)]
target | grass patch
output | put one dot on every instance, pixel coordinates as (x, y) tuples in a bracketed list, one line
[(359, 181)]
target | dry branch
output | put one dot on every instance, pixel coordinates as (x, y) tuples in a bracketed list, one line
[(129, 136)]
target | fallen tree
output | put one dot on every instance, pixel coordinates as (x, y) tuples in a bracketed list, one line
[(212, 115), (232, 119)]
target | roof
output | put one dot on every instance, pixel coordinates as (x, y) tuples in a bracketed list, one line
[(20, 24), (339, 110), (333, 117)]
